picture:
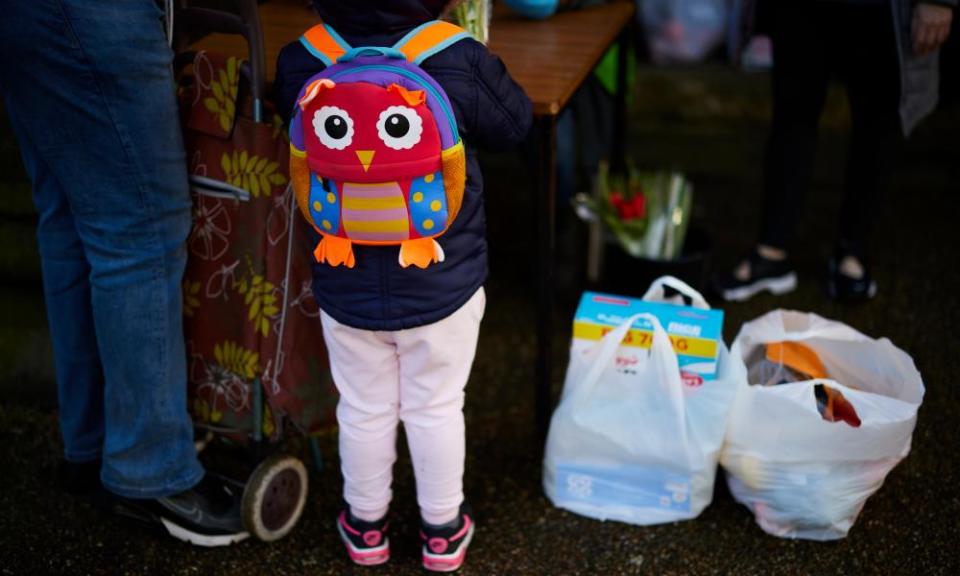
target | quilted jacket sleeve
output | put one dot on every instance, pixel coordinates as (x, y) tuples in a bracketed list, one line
[(502, 113), (294, 67)]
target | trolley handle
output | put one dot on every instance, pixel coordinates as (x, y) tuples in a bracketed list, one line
[(193, 22)]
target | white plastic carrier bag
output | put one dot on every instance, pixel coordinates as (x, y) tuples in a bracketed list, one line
[(805, 469), (632, 440)]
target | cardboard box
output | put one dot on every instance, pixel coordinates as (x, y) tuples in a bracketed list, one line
[(694, 333)]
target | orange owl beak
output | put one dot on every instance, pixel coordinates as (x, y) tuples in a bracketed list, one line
[(365, 157)]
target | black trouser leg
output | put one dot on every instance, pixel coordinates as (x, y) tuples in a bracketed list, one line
[(871, 74), (800, 78)]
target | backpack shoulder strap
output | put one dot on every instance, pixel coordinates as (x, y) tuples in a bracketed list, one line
[(427, 39), (323, 42)]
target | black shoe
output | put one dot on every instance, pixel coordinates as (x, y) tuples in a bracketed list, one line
[(206, 515), (445, 548), (79, 478), (775, 276), (846, 289), (366, 542)]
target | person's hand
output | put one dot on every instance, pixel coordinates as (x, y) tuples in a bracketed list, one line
[(930, 27)]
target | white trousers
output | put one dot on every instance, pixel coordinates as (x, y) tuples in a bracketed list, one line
[(416, 376)]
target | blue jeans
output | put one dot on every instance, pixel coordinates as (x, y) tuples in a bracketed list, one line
[(89, 90)]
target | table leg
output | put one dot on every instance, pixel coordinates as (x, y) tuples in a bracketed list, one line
[(546, 252)]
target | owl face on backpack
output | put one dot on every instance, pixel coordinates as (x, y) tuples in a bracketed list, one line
[(376, 156), (362, 133)]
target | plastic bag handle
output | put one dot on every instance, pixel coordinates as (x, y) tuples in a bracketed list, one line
[(608, 349), (660, 343), (696, 299)]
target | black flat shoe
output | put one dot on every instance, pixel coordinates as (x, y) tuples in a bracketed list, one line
[(774, 276), (846, 289)]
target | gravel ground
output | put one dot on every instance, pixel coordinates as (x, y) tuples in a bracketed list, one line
[(710, 124)]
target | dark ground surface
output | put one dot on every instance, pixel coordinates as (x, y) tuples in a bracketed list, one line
[(709, 122)]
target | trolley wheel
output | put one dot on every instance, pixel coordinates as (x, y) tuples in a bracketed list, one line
[(274, 496)]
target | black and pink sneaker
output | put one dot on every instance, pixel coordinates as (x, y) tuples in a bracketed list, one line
[(366, 542), (445, 548)]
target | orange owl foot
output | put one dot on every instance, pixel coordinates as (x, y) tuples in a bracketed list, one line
[(334, 251), (420, 253)]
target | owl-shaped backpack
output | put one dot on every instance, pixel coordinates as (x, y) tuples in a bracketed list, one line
[(375, 154)]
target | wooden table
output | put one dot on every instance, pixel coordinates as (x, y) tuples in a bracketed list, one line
[(550, 59)]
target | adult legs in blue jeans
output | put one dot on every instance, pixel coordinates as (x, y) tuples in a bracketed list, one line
[(88, 87)]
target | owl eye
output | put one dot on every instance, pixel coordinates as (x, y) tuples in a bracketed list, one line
[(399, 127), (334, 127)]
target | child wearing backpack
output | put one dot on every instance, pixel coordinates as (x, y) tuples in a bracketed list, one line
[(387, 108)]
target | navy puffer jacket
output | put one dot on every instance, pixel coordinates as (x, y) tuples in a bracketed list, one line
[(492, 112)]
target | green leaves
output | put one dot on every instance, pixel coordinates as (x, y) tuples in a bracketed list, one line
[(223, 102), (237, 359), (259, 296), (191, 297), (252, 173)]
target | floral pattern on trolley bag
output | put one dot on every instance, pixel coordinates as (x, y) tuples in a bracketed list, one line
[(246, 292)]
